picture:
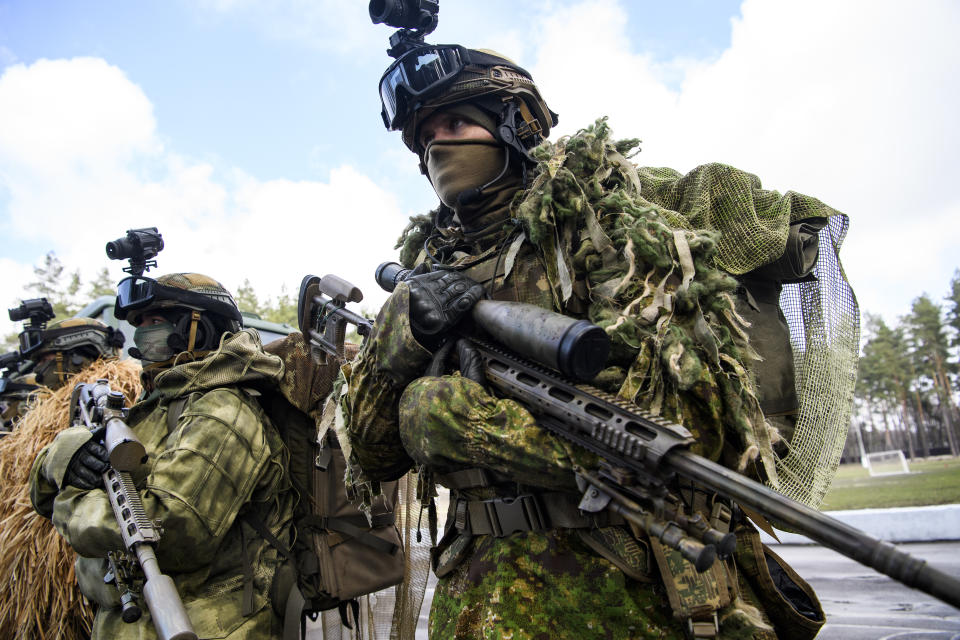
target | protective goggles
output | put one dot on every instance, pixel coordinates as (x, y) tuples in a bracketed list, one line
[(137, 292), (30, 340), (424, 71)]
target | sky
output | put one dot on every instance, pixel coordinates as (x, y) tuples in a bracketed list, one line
[(249, 131)]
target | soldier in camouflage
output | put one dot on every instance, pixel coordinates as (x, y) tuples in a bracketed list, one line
[(572, 226), (216, 471), (60, 350)]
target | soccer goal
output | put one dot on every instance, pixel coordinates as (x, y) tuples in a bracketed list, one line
[(886, 463)]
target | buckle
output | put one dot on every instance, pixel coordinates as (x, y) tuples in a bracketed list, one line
[(703, 628), (509, 515)]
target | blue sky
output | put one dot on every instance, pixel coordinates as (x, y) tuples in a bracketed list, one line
[(249, 131)]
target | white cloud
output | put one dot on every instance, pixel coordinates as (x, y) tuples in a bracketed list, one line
[(854, 103), (81, 161), (327, 25)]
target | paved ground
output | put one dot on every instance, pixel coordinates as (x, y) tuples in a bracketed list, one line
[(864, 605), (860, 603)]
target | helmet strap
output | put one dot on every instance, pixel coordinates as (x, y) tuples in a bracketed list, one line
[(194, 319), (61, 374)]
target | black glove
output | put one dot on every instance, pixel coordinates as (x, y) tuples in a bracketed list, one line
[(437, 302), (471, 362), (86, 467)]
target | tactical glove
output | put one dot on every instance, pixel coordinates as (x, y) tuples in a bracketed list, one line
[(438, 300), (471, 362), (86, 467)]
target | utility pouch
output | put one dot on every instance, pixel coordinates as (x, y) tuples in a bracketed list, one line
[(694, 597), (354, 557), (787, 599)]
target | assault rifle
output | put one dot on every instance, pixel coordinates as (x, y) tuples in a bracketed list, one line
[(135, 570), (643, 456)]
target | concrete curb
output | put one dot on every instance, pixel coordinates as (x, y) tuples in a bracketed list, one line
[(902, 524)]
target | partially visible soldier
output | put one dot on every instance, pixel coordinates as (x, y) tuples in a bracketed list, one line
[(645, 253), (216, 472), (51, 356)]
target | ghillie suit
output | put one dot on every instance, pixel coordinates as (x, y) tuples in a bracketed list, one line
[(39, 596), (590, 238), (742, 229)]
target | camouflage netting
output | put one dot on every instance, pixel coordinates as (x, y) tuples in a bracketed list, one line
[(823, 315), (824, 321), (655, 287), (39, 597)]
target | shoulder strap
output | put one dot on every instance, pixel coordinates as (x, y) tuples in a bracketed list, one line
[(174, 411)]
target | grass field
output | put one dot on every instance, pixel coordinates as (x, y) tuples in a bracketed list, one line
[(935, 481)]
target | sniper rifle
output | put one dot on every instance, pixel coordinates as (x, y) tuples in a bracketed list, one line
[(643, 456)]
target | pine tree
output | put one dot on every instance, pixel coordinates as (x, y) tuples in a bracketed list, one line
[(247, 299), (50, 284), (102, 285), (930, 344)]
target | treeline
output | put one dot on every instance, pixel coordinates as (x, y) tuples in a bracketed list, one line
[(68, 293), (907, 382)]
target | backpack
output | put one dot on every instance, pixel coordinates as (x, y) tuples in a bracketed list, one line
[(337, 555)]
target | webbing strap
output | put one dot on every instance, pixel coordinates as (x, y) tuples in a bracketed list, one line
[(359, 520), (247, 602), (262, 529), (194, 319), (533, 512), (174, 411), (294, 622), (363, 536)]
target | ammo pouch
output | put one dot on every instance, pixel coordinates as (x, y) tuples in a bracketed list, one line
[(786, 598), (338, 555)]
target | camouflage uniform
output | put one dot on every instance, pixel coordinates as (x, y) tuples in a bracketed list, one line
[(219, 464), (678, 349)]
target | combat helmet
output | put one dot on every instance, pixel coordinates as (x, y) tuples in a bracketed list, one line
[(200, 308), (67, 346), (430, 77)]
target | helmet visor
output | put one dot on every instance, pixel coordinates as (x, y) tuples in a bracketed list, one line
[(30, 340), (420, 71), (134, 292)]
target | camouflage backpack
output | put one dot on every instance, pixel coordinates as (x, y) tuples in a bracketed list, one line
[(338, 554)]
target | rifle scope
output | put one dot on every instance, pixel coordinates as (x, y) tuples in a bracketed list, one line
[(576, 348)]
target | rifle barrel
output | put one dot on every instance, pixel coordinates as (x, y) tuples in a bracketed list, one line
[(830, 532)]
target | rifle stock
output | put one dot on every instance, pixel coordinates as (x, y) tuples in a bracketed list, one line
[(101, 410)]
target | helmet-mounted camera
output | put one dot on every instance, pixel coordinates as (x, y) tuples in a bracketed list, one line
[(139, 246), (414, 19), (37, 312)]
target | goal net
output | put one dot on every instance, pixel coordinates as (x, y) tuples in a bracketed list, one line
[(885, 463)]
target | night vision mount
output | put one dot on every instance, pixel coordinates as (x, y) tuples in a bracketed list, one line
[(414, 19), (36, 311), (139, 246)]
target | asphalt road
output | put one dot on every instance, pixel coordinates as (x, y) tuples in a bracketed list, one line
[(860, 603)]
